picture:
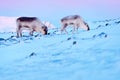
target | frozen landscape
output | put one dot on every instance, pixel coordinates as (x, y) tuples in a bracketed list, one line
[(84, 55)]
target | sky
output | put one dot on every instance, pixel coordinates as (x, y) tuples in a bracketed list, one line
[(54, 10)]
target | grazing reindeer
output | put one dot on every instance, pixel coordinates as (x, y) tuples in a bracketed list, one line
[(74, 20), (30, 23)]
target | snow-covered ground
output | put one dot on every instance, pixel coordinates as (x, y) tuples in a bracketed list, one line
[(85, 55)]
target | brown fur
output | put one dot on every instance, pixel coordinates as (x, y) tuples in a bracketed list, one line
[(74, 20), (30, 23)]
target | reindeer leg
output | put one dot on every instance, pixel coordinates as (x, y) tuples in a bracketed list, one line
[(31, 32), (18, 31), (64, 28), (73, 29), (18, 34), (77, 29), (77, 26)]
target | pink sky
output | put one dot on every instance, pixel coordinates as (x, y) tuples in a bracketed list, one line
[(58, 3), (58, 8)]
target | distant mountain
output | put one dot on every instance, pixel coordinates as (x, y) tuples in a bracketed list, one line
[(7, 24)]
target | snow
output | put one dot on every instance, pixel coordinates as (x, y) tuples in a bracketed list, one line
[(84, 55)]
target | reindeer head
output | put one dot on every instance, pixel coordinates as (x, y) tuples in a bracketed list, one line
[(45, 29), (86, 26)]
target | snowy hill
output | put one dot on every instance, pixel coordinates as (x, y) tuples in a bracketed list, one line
[(86, 55)]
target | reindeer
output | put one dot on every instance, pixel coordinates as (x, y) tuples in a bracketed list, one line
[(30, 23), (76, 21)]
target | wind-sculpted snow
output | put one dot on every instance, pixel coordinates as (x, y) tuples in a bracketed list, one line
[(84, 55)]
